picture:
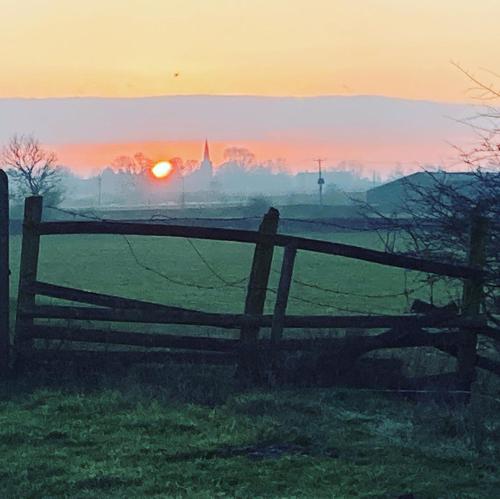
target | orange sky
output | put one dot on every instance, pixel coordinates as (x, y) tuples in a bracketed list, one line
[(299, 154), (264, 47), (132, 48)]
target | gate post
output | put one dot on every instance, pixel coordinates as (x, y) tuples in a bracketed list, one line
[(4, 274), (28, 272), (472, 298), (281, 304), (256, 296)]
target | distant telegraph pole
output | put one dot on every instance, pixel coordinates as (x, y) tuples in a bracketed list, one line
[(99, 189), (321, 180), (183, 196)]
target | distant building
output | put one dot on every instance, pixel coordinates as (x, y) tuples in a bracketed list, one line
[(335, 180), (202, 178), (206, 166), (393, 195)]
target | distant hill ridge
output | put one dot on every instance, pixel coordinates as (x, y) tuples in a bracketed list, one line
[(89, 119)]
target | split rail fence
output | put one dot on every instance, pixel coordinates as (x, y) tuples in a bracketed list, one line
[(455, 334)]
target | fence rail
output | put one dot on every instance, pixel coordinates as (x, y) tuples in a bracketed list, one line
[(455, 334), (247, 236)]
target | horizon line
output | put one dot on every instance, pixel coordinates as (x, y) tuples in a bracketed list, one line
[(277, 96)]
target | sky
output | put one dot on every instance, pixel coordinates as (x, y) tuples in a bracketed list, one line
[(88, 133), (135, 48), (403, 48)]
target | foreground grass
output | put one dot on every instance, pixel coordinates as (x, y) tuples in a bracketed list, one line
[(191, 433), (196, 435)]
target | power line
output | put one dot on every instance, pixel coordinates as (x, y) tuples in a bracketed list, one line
[(212, 270), (238, 283), (358, 295), (169, 278), (226, 282), (159, 217)]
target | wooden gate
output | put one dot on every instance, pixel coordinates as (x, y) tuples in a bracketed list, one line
[(249, 351)]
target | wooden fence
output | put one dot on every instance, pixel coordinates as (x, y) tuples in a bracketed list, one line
[(456, 333), (4, 273)]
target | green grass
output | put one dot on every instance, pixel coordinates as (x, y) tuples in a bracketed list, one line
[(106, 264), (187, 437), (189, 431)]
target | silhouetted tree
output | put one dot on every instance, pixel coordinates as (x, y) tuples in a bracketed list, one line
[(239, 156), (33, 170), (435, 213), (134, 165)]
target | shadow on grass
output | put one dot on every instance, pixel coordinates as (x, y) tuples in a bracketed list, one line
[(199, 384), (258, 451)]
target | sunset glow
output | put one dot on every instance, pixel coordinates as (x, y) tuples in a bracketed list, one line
[(162, 169), (385, 47), (159, 76)]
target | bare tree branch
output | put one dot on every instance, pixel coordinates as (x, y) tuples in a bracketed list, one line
[(434, 213), (34, 170)]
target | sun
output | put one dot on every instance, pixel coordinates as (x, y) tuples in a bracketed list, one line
[(162, 169)]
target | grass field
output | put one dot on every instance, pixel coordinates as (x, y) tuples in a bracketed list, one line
[(107, 264), (193, 435), (189, 431)]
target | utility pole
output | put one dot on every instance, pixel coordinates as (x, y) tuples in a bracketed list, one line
[(183, 197), (321, 180), (99, 189)]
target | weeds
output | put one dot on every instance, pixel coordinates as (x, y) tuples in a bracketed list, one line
[(141, 435)]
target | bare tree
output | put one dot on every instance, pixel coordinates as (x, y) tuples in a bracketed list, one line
[(190, 165), (34, 170), (135, 165), (133, 174), (436, 208), (240, 156)]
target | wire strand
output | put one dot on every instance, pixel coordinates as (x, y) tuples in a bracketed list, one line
[(238, 283)]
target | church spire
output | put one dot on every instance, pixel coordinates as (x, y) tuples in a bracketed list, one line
[(206, 153)]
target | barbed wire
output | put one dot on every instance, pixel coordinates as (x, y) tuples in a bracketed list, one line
[(211, 268), (296, 221), (357, 295), (339, 225), (162, 217), (339, 308), (225, 283), (322, 222), (155, 271), (470, 393), (310, 285), (92, 216), (238, 283), (165, 276), (405, 292)]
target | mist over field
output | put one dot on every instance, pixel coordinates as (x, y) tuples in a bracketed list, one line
[(379, 131)]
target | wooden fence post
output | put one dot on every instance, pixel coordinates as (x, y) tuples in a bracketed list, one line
[(472, 298), (256, 296), (281, 304), (28, 272), (4, 274)]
